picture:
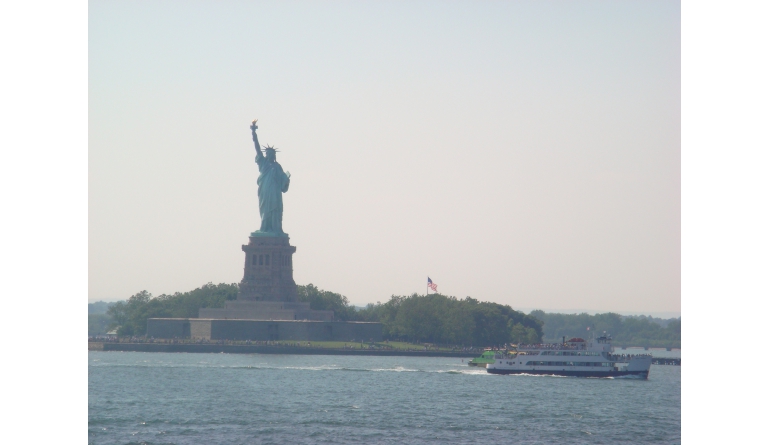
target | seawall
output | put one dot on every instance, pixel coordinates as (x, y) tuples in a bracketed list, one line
[(261, 349)]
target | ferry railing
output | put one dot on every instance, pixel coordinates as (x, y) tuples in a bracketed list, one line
[(551, 346)]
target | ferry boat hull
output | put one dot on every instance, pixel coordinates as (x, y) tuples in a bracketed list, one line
[(574, 358), (565, 373)]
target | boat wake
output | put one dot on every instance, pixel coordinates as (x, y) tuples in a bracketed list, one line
[(259, 367)]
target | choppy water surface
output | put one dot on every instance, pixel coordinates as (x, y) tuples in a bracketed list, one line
[(160, 398)]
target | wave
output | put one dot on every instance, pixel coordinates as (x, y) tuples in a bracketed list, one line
[(298, 368), (541, 375)]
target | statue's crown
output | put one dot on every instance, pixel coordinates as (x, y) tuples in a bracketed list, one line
[(269, 147)]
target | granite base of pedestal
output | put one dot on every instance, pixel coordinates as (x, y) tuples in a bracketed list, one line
[(266, 310), (264, 330)]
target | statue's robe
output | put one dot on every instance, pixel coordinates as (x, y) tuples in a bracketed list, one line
[(271, 183)]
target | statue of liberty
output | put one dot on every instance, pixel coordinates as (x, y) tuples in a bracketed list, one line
[(271, 183)]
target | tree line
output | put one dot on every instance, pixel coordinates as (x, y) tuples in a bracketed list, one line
[(130, 316), (625, 331), (417, 318), (434, 318), (442, 319)]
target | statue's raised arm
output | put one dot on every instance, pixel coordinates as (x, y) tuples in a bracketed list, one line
[(255, 139)]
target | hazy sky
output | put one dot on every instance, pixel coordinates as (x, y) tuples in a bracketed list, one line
[(526, 153)]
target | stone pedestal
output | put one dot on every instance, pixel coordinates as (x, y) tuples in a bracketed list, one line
[(265, 310), (267, 291), (267, 271)]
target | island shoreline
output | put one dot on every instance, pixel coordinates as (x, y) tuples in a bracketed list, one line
[(264, 349)]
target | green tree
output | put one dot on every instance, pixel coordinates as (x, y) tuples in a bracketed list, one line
[(625, 330), (444, 319), (322, 300), (675, 328), (130, 316), (187, 304), (98, 324), (523, 334), (384, 313)]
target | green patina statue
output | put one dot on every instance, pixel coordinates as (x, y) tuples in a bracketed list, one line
[(271, 183)]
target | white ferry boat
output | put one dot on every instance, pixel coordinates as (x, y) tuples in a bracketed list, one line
[(574, 358)]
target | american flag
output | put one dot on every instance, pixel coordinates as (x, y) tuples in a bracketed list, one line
[(432, 285)]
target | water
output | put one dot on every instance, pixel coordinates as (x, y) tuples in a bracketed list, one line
[(159, 398)]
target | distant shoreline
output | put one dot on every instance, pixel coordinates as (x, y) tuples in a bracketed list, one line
[(295, 350), (263, 349)]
